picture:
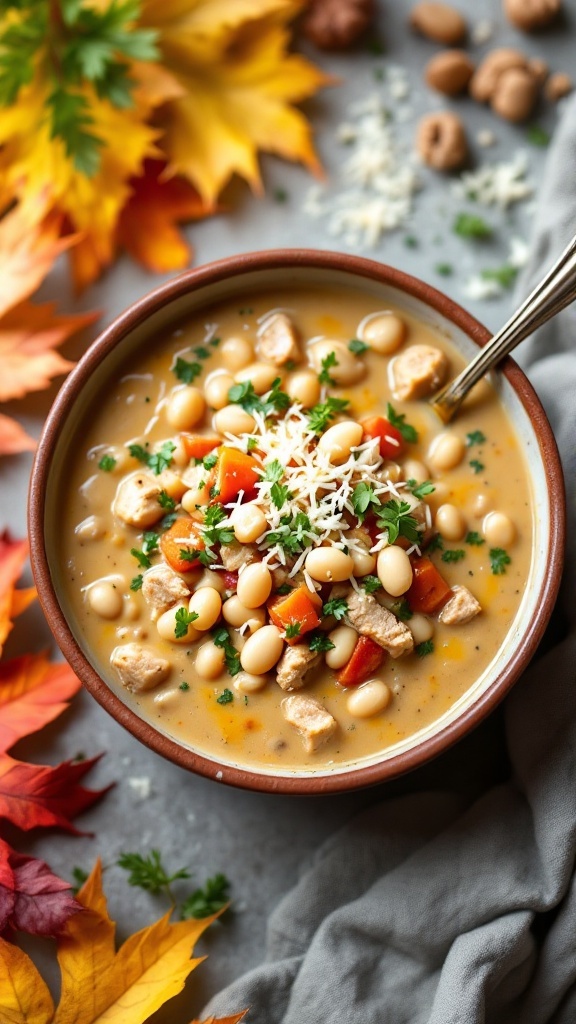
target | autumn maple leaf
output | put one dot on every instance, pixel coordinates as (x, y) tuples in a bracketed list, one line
[(32, 898), (13, 437), (13, 555), (33, 692), (99, 983), (33, 795), (28, 249)]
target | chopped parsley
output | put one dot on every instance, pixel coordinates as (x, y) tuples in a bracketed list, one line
[(215, 342), (149, 546), (142, 558), (320, 642), (136, 582), (279, 493), (226, 697), (327, 363), (184, 686), (444, 269), (363, 497), (410, 241), (273, 472), (210, 460), (420, 490), (150, 542), (252, 444), (107, 463), (358, 347), (474, 539), (213, 533), (436, 543), (208, 900), (294, 534), (183, 619), (167, 521), (336, 606), (156, 461), (371, 584), (292, 630), (504, 275), (395, 517), (320, 415), (283, 589), (244, 395), (398, 420), (280, 195), (201, 352), (537, 135), (402, 610), (499, 559), (453, 555), (221, 638), (426, 647), (186, 371), (470, 225), (148, 872), (476, 465), (166, 502), (475, 437)]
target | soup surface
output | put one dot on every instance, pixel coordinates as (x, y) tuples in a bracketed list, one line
[(274, 550)]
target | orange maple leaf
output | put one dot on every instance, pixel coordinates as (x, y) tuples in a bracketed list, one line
[(33, 692), (42, 796), (28, 250), (13, 437), (13, 555), (235, 1018)]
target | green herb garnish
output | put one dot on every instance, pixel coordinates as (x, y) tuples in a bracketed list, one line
[(149, 873), (504, 275), (293, 535), (156, 461), (363, 497), (320, 415), (210, 460), (184, 686), (185, 371), (470, 225), (327, 363), (141, 557), (336, 606), (436, 543), (474, 539), (444, 269), (537, 136), (107, 463), (183, 619), (208, 900), (166, 502), (292, 630), (358, 347), (402, 610), (244, 395), (396, 518), (453, 555), (398, 420), (136, 582), (201, 352), (499, 559), (320, 642), (420, 490), (221, 638), (226, 697), (476, 465), (252, 444), (283, 589), (426, 647), (475, 437), (371, 584)]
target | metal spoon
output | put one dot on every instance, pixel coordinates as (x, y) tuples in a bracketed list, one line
[(556, 290)]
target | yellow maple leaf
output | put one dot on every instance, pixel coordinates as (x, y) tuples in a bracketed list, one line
[(241, 83), (99, 984)]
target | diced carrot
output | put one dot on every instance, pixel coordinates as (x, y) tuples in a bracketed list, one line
[(296, 607), (184, 535), (429, 590), (235, 472), (197, 446), (366, 659), (391, 440)]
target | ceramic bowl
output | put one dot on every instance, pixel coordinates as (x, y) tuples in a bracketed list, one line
[(226, 278)]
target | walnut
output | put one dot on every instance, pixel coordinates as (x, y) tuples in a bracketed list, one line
[(336, 24), (441, 141), (529, 15), (557, 86), (539, 69), (449, 72), (438, 22), (516, 95), (509, 82), (485, 79)]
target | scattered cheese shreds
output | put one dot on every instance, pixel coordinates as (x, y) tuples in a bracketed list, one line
[(498, 185)]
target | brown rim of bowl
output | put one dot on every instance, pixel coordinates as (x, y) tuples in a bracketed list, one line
[(245, 778)]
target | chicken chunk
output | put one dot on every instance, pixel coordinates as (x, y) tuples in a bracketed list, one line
[(136, 501), (293, 666), (418, 371), (138, 667), (278, 340), (460, 608), (235, 556), (370, 619), (162, 588), (310, 718)]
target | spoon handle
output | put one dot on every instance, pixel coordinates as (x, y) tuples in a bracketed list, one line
[(555, 291)]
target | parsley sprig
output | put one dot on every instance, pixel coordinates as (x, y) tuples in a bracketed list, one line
[(275, 401), (221, 638), (294, 533), (336, 606), (398, 420), (149, 873), (156, 461), (396, 518), (322, 414), (208, 900), (183, 619), (363, 498), (327, 363), (499, 559)]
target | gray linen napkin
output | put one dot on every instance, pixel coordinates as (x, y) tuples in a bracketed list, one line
[(424, 909)]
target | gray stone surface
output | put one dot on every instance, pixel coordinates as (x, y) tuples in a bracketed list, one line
[(261, 842)]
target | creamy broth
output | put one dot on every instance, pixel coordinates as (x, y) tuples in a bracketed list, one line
[(248, 728)]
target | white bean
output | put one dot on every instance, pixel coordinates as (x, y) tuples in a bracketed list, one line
[(262, 650), (348, 368), (210, 579), (394, 570), (206, 603), (167, 623), (370, 698), (481, 504), (446, 451), (450, 522), (364, 562), (421, 628), (248, 522), (413, 469), (237, 614), (247, 682), (180, 456), (105, 599), (304, 387), (338, 441), (233, 419), (209, 662), (384, 333), (92, 528), (260, 375), (216, 388), (185, 407), (236, 353), (329, 565), (254, 585), (344, 639), (498, 530)]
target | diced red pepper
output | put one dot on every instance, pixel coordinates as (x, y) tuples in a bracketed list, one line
[(366, 659), (429, 591), (391, 440)]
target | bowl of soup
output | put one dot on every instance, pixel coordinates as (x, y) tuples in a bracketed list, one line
[(261, 550)]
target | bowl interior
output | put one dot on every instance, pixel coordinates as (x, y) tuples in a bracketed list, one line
[(174, 303)]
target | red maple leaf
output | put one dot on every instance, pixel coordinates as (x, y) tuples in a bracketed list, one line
[(13, 554), (32, 693), (32, 899), (33, 796)]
